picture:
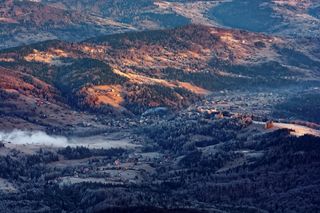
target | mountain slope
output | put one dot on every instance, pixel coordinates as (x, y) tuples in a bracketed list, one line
[(132, 72), (25, 22), (293, 18)]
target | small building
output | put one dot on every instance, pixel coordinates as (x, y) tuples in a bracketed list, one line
[(157, 111), (219, 115), (269, 125)]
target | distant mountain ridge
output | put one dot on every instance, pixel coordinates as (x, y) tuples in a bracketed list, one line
[(25, 22)]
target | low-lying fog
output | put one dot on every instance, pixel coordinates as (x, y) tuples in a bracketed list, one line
[(20, 137)]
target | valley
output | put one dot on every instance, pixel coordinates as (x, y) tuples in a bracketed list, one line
[(163, 158), (170, 161), (159, 106), (126, 74)]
